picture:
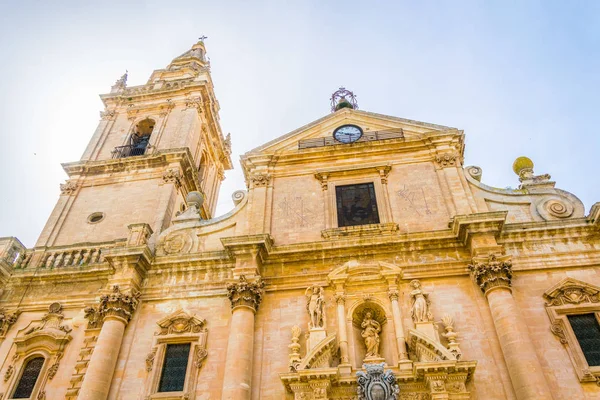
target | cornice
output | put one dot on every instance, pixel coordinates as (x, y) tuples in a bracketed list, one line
[(465, 226)]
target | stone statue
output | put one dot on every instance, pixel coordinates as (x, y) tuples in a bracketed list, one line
[(315, 306), (420, 303), (370, 334)]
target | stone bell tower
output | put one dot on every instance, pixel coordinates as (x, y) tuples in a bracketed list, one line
[(154, 144)]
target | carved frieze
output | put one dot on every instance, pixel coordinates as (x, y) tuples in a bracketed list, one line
[(493, 272), (246, 294), (52, 320)]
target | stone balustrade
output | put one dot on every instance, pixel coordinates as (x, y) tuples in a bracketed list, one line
[(63, 256)]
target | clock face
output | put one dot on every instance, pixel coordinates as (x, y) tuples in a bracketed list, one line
[(347, 133)]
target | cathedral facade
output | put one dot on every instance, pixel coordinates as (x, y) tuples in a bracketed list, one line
[(362, 261)]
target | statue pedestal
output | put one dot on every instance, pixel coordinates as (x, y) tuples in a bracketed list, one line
[(429, 329), (315, 336), (345, 369), (374, 360)]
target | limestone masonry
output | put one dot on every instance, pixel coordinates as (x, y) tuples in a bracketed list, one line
[(363, 261)]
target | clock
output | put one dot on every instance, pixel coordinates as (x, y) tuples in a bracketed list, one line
[(347, 133)]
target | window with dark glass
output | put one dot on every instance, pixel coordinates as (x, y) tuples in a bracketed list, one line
[(587, 332), (356, 205), (29, 377), (172, 377)]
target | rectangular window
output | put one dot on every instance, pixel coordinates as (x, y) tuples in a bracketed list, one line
[(174, 367), (356, 205), (587, 332)]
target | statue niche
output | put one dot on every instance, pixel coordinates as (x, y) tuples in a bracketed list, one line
[(370, 328)]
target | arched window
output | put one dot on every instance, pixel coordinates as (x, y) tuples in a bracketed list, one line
[(28, 378), (138, 141)]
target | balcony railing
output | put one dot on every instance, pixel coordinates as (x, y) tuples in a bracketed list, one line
[(130, 150), (366, 137)]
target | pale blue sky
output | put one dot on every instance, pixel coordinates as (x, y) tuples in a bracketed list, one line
[(520, 77)]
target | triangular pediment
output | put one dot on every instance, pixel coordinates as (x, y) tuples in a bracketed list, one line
[(368, 121)]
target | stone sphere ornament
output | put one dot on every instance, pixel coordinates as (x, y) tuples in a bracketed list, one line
[(522, 163), (194, 199)]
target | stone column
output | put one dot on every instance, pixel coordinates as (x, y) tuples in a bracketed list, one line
[(493, 276), (398, 328), (115, 309), (340, 299), (245, 298)]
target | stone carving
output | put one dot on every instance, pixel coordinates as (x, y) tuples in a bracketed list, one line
[(315, 306), (246, 294), (180, 323), (448, 322), (523, 167), (41, 395), (437, 386), (200, 355), (227, 144), (475, 172), (295, 349), (455, 387), (9, 371), (107, 114), (194, 201), (420, 311), (7, 319), (447, 160), (377, 384), (115, 304), (556, 208), (195, 102), (68, 188), (340, 298), (172, 175), (572, 292), (94, 317), (54, 368), (238, 196), (558, 330), (150, 359), (393, 294), (495, 271), (260, 180), (51, 320), (370, 334)]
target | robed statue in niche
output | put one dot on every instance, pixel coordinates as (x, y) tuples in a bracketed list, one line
[(420, 311), (370, 334), (315, 306)]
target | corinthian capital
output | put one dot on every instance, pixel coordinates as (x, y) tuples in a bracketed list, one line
[(245, 294), (116, 304), (491, 272)]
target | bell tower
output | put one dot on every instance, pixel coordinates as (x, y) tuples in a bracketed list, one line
[(154, 144)]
